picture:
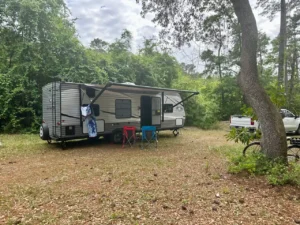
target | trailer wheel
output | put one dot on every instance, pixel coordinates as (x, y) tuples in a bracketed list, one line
[(117, 137), (175, 132), (44, 132), (63, 145)]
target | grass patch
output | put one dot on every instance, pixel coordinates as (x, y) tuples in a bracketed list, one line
[(184, 181), (20, 144)]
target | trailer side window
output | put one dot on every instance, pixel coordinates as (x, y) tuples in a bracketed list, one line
[(90, 92), (168, 108), (123, 108), (96, 109)]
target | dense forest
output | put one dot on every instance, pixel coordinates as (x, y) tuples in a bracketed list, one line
[(39, 44)]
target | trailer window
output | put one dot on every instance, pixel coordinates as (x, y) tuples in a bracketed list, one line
[(96, 109), (90, 92), (123, 108), (168, 108)]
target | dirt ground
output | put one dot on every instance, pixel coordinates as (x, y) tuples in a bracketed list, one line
[(184, 181)]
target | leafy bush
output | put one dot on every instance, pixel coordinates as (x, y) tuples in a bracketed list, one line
[(254, 164), (281, 174), (243, 135), (276, 172), (201, 110)]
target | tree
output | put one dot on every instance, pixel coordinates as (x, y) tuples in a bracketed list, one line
[(274, 138), (99, 45), (282, 46), (38, 44), (262, 49), (292, 57), (182, 19), (270, 8)]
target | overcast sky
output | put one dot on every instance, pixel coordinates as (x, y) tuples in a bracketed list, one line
[(106, 19)]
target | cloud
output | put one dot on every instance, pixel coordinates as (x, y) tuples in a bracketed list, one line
[(271, 28), (106, 19)]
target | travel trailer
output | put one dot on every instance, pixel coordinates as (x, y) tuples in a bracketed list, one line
[(113, 106)]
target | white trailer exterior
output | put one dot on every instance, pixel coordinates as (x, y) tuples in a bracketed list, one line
[(114, 105)]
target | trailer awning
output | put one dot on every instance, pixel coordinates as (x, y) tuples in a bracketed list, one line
[(124, 87), (132, 88)]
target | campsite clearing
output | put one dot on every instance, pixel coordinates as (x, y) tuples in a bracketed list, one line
[(185, 181)]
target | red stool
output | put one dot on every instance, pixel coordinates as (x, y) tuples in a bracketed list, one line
[(129, 136)]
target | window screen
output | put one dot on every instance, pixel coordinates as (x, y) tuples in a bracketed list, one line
[(123, 108), (90, 92), (95, 108), (168, 108)]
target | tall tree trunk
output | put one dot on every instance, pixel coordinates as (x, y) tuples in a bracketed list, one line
[(273, 133), (286, 81), (220, 74), (261, 61), (282, 43), (292, 80), (297, 68)]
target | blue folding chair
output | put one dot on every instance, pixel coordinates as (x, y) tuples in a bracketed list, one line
[(149, 136)]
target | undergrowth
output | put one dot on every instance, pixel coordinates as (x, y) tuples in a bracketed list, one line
[(243, 135), (276, 172)]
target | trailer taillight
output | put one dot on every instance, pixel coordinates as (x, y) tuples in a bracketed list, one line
[(58, 123), (252, 121)]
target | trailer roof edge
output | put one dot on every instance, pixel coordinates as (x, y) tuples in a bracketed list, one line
[(153, 88), (133, 86)]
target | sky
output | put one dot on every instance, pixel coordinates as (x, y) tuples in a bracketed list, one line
[(106, 19)]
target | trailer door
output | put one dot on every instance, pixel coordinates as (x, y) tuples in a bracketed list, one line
[(156, 111), (150, 111), (146, 116)]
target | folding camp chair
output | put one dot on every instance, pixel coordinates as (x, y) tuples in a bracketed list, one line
[(129, 136), (149, 136)]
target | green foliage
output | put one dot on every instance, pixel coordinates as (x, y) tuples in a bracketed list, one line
[(21, 98), (277, 94), (201, 111), (255, 164), (232, 100), (281, 174), (276, 172), (243, 135), (248, 111), (39, 44)]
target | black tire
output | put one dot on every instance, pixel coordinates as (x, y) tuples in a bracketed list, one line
[(293, 153), (253, 147), (44, 132), (117, 137), (63, 145)]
